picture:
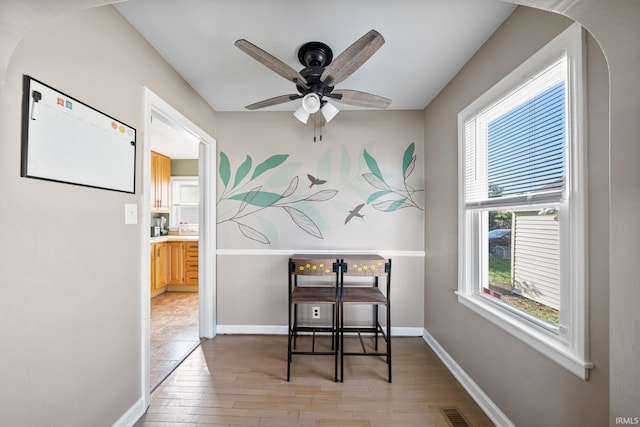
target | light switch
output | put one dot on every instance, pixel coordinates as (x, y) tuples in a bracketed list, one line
[(130, 213)]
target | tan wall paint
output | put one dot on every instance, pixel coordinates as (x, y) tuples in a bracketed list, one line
[(529, 388), (338, 159), (70, 309), (257, 295), (25, 249)]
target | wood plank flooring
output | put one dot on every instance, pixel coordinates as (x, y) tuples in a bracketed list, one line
[(240, 380)]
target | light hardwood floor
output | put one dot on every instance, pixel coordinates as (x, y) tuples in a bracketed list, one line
[(174, 331), (240, 380)]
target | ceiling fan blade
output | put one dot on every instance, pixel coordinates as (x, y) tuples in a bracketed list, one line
[(360, 99), (273, 101), (269, 61), (352, 58)]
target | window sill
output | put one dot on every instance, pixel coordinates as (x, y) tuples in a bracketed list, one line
[(542, 341)]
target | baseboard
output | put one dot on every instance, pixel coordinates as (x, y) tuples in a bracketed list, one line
[(252, 329), (491, 409), (132, 415), (401, 331)]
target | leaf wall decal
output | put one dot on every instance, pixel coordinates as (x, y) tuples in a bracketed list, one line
[(407, 158), (270, 163), (376, 181), (248, 197), (258, 198), (242, 171), (410, 167), (293, 186), (253, 234), (322, 196), (392, 205), (303, 221), (372, 164), (377, 195), (225, 169)]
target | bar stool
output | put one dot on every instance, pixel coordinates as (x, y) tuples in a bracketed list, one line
[(313, 280), (368, 270)]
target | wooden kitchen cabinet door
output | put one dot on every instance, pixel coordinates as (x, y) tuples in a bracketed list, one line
[(160, 182), (159, 266), (176, 254)]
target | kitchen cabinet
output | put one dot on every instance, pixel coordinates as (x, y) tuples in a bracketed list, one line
[(177, 263), (159, 266), (191, 263), (174, 265), (160, 182)]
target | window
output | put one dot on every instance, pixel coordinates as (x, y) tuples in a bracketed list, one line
[(522, 221), (185, 195)]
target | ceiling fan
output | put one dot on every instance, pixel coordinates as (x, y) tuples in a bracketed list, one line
[(316, 81)]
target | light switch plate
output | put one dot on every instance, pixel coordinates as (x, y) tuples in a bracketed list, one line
[(130, 213)]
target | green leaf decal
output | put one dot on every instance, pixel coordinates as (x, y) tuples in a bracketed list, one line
[(391, 205), (377, 195), (225, 169), (270, 163), (257, 198), (242, 171), (372, 164), (248, 197), (412, 165), (407, 158)]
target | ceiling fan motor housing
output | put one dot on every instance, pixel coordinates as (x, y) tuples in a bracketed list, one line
[(314, 85), (315, 56)]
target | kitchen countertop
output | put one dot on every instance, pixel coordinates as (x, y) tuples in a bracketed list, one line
[(172, 238)]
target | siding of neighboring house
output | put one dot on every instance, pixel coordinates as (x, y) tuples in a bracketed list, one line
[(535, 262)]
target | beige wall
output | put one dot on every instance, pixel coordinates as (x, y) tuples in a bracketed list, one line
[(70, 308), (528, 387), (70, 333), (339, 160), (257, 296)]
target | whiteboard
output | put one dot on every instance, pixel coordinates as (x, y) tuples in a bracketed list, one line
[(65, 140)]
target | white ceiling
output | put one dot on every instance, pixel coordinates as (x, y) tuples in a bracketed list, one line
[(427, 43)]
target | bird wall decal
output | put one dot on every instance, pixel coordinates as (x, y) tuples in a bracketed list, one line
[(315, 181), (355, 213)]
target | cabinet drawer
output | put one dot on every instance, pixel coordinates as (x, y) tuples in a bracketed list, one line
[(191, 277), (191, 266), (191, 256), (191, 246)]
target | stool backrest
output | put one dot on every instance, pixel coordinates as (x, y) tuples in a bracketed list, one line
[(313, 266), (373, 266)]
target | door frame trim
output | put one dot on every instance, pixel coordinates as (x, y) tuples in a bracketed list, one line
[(207, 230)]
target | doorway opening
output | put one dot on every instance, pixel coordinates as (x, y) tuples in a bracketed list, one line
[(178, 243)]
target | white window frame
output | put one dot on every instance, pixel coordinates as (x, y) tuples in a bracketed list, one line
[(176, 203), (568, 344)]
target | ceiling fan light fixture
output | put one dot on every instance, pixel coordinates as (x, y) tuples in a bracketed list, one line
[(311, 103), (329, 111), (301, 114)]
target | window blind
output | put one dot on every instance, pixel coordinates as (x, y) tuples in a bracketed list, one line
[(515, 149)]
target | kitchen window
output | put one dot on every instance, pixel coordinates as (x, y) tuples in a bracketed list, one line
[(185, 196), (522, 221)]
